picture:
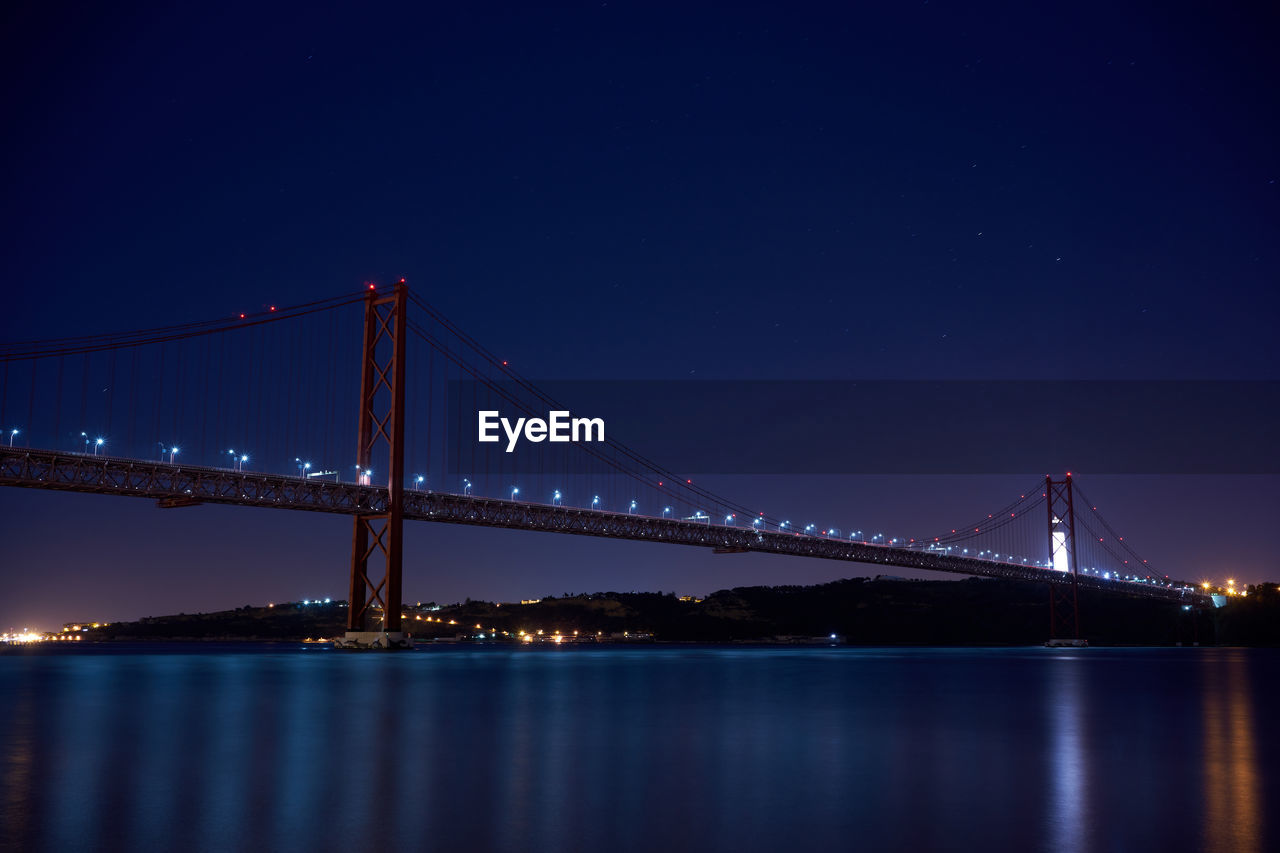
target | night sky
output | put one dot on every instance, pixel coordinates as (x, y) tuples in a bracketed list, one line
[(628, 190)]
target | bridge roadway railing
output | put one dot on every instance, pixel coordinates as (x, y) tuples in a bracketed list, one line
[(180, 483)]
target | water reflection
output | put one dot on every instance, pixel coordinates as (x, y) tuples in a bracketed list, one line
[(1231, 779), (635, 749), (1069, 816)]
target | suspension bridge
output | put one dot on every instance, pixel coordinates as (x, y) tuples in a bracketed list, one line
[(254, 409)]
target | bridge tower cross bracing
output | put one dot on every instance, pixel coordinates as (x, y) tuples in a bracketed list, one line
[(377, 545), (1064, 598)]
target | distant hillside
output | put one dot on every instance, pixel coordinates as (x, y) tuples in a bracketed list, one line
[(860, 611)]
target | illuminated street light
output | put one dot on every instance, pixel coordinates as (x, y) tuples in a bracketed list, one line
[(173, 451), (417, 481), (303, 467), (466, 487), (666, 510), (784, 525), (808, 527), (98, 443), (633, 508), (595, 502), (728, 520), (555, 498), (12, 433), (515, 490)]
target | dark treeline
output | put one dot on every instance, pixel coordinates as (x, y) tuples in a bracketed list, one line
[(858, 611)]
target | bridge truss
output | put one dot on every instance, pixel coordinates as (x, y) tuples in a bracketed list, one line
[(176, 485)]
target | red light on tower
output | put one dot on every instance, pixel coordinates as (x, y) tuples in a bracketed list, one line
[(402, 279), (241, 316), (273, 307), (504, 364)]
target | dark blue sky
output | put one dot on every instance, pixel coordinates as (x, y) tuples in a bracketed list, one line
[(607, 190)]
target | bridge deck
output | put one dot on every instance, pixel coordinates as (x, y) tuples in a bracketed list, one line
[(184, 484)]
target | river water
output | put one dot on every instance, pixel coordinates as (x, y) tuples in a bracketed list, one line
[(648, 748)]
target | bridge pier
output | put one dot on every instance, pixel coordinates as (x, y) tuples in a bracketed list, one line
[(373, 641)]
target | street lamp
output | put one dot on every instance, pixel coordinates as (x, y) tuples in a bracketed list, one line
[(633, 508), (595, 502), (515, 490), (808, 527), (12, 433), (173, 451), (555, 498), (784, 525), (244, 457), (303, 467), (466, 487), (728, 519), (666, 510), (85, 436), (417, 481), (98, 443)]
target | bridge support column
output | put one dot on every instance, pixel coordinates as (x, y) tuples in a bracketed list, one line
[(1064, 598), (374, 600)]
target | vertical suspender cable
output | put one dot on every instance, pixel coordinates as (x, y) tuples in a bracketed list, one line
[(111, 388), (158, 387), (430, 405), (57, 411)]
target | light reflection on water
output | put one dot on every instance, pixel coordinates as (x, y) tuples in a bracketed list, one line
[(1231, 776), (639, 748)]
